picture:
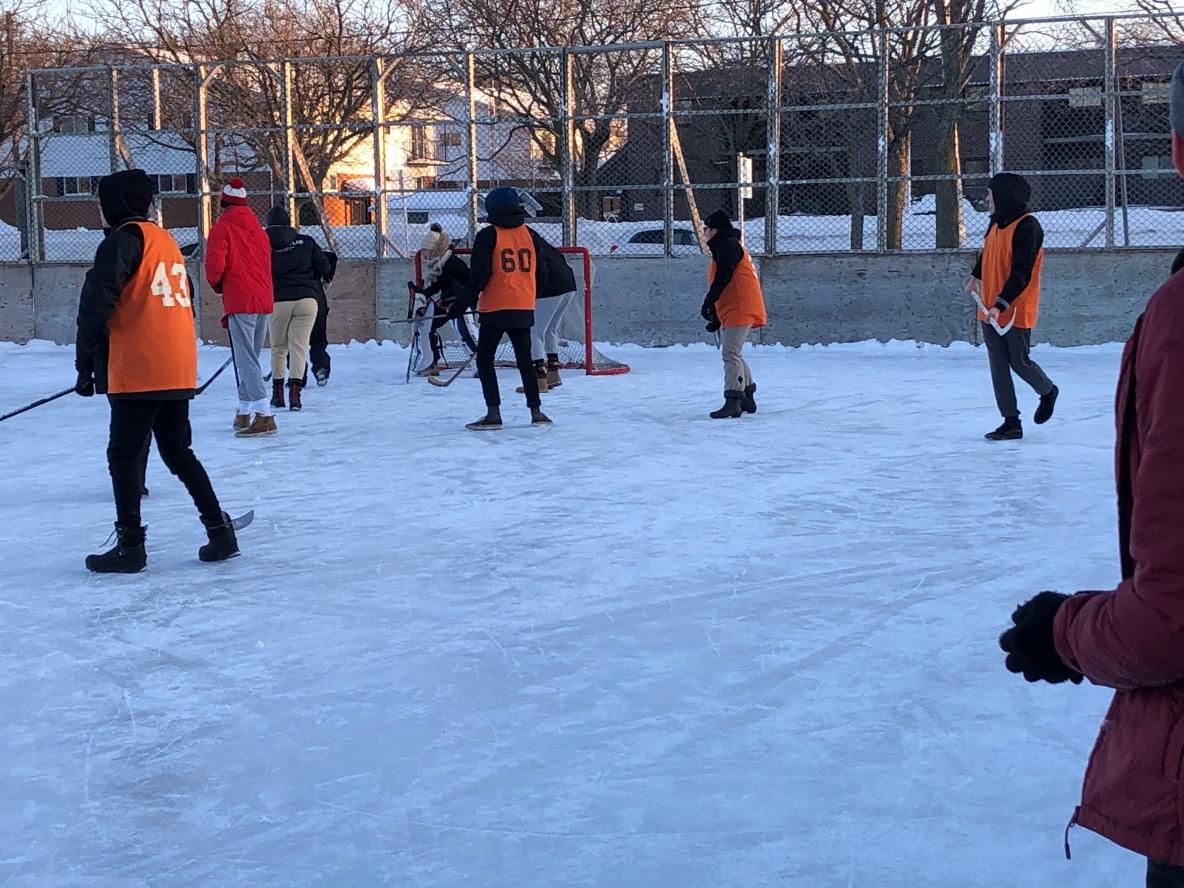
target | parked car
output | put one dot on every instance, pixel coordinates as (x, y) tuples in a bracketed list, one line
[(649, 242)]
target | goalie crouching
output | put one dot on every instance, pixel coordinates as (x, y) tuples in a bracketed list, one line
[(441, 296)]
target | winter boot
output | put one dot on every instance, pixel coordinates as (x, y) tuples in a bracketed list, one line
[(748, 401), (322, 376), (242, 422), (1047, 405), (731, 408), (277, 393), (491, 421), (1011, 430), (223, 543), (540, 375), (294, 395), (553, 380), (127, 557), (261, 425), (538, 418)]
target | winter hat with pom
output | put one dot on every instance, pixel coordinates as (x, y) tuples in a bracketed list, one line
[(435, 240), (1177, 118), (235, 193)]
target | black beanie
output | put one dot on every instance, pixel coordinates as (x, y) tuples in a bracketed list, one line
[(277, 215), (126, 195), (719, 220), (1011, 193)]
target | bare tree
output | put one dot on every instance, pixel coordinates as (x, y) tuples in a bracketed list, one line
[(530, 85), (331, 81)]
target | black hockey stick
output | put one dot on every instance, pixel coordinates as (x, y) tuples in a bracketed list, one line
[(205, 385), (29, 407), (435, 380)]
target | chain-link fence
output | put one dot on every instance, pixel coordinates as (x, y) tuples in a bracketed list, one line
[(834, 142)]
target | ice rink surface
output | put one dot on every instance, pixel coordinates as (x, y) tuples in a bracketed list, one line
[(640, 648)]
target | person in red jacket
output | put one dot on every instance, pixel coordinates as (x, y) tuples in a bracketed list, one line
[(1131, 638), (136, 344), (238, 266)]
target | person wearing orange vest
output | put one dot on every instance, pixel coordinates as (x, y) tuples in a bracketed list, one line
[(1007, 279), (505, 269), (136, 344), (735, 303)]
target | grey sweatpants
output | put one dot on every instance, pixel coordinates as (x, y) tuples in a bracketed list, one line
[(247, 333), (737, 373), (544, 335), (1008, 354)]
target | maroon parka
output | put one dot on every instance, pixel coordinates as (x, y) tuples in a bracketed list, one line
[(1132, 639)]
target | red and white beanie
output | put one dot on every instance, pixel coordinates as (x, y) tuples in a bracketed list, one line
[(235, 193)]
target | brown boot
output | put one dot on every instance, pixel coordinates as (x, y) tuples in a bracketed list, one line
[(277, 393), (260, 426), (242, 422), (294, 395), (540, 374), (553, 380)]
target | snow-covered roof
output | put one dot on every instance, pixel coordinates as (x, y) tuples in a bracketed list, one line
[(89, 154)]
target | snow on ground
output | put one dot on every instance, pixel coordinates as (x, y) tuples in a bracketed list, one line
[(641, 648)]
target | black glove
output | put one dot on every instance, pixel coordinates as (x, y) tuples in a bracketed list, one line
[(1029, 643), (707, 312), (85, 385), (713, 326)]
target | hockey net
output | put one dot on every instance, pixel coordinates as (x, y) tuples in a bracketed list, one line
[(576, 348)]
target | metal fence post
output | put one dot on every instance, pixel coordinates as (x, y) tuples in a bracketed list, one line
[(1109, 102), (113, 118), (667, 148), (474, 171), (157, 126), (567, 100), (33, 215), (995, 114), (378, 121), (204, 216), (288, 135), (773, 148), (882, 93)]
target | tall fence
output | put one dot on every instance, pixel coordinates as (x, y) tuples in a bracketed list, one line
[(876, 141)]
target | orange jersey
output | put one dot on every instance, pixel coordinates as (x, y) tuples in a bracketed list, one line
[(153, 346), (511, 284), (996, 269), (742, 304)]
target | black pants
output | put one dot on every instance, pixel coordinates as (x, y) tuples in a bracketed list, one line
[(487, 342), (1012, 354), (1160, 875), (318, 343), (132, 421)]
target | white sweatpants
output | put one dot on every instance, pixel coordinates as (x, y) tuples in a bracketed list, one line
[(544, 335)]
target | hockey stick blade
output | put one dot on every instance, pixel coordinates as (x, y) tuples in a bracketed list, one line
[(244, 520), (435, 380), (1002, 331)]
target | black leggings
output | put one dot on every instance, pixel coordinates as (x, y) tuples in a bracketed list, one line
[(487, 342), (1161, 875), (132, 421)]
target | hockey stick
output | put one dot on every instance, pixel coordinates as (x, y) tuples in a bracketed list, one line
[(1002, 331), (435, 380), (205, 385), (29, 407)]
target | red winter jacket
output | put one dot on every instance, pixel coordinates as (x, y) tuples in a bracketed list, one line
[(238, 262), (1132, 639)]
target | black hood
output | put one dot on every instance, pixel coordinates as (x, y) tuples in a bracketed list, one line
[(1011, 193), (278, 216), (508, 217), (126, 195)]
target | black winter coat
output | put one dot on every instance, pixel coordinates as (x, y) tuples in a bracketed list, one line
[(298, 265), (451, 283)]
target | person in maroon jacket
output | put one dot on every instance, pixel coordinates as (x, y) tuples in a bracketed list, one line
[(238, 265), (1131, 638)]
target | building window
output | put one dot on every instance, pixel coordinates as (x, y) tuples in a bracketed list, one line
[(173, 183), (69, 186), (74, 124), (450, 139), (419, 143)]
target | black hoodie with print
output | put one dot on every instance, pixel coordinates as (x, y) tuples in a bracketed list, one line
[(1011, 194)]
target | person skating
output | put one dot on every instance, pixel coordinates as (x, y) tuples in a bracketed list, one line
[(508, 275), (442, 294), (1131, 639), (298, 269), (1006, 278), (136, 343), (734, 303), (238, 266)]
